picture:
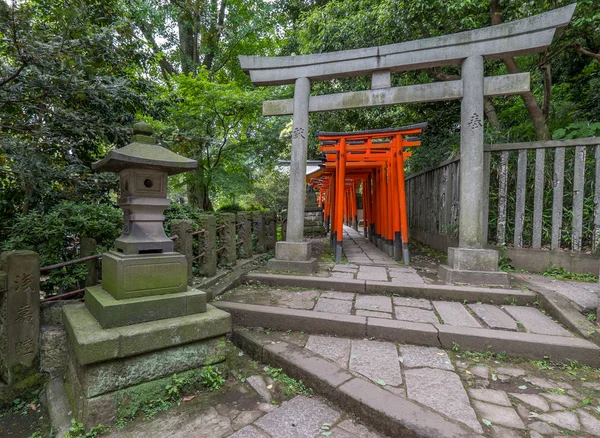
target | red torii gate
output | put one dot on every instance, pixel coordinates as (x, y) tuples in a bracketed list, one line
[(372, 159)]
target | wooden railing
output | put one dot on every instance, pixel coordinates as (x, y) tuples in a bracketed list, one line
[(236, 236), (561, 212)]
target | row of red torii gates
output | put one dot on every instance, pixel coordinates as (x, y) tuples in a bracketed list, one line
[(371, 161)]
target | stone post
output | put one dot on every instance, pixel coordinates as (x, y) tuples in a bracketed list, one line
[(470, 233), (470, 262), (294, 254), (228, 240), (19, 315), (244, 231), (258, 228), (184, 243), (88, 248), (207, 265), (271, 219), (297, 192)]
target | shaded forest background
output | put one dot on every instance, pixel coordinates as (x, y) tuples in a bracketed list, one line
[(76, 74)]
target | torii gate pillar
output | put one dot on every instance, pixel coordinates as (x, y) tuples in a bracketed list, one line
[(471, 262), (294, 254)]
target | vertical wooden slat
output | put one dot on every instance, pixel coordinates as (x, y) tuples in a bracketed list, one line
[(455, 199), (502, 197), (448, 209), (520, 202), (443, 199), (538, 198), (487, 158), (578, 191), (557, 196), (596, 237)]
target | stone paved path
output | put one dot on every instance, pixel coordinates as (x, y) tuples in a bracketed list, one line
[(583, 295), (500, 400), (496, 317)]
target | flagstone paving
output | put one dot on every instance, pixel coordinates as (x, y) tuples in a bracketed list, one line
[(496, 317)]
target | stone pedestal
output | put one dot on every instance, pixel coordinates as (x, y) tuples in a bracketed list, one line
[(294, 257), (473, 266)]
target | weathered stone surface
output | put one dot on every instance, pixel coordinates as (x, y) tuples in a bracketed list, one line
[(248, 432), (543, 428), (504, 432), (500, 415), (299, 417), (407, 278), (338, 295), (19, 315), (414, 356), (376, 361), (490, 396), (584, 295), (455, 314), (100, 378), (534, 400), (130, 276), (413, 302), (110, 312), (562, 399), (374, 303), (345, 275), (357, 429), (335, 349), (53, 349), (510, 371), (590, 423), (333, 306), (94, 344), (480, 371), (535, 321), (442, 391), (259, 385), (494, 317), (374, 314), (345, 268), (562, 419), (375, 273), (540, 382), (413, 314), (244, 418)]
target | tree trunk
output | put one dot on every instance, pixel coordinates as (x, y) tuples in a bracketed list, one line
[(490, 112), (547, 89), (186, 42), (211, 39), (535, 112)]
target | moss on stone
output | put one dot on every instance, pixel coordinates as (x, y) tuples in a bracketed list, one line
[(26, 389)]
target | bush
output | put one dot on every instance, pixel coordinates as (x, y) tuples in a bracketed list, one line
[(55, 236)]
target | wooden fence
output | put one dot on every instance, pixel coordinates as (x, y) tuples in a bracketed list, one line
[(219, 241), (561, 212)]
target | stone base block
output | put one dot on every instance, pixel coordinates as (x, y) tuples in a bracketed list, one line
[(113, 375), (305, 266), (452, 276), (93, 344), (123, 403), (470, 259), (110, 312), (293, 251), (140, 275)]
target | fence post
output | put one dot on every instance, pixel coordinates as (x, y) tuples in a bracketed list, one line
[(271, 228), (229, 254), (88, 248), (244, 230), (184, 243), (207, 265), (258, 227), (19, 315)]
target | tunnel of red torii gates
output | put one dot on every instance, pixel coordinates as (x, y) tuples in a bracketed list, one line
[(372, 163)]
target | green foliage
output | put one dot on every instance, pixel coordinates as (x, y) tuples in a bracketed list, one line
[(77, 430), (55, 236), (212, 378), (291, 386), (561, 274)]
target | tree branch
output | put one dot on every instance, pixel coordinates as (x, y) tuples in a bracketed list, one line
[(585, 52), (14, 75)]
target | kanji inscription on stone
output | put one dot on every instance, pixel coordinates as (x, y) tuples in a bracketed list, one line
[(19, 314), (475, 122)]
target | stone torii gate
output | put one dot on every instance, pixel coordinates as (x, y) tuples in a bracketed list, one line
[(470, 262)]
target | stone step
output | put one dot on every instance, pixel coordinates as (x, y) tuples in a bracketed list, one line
[(391, 414), (429, 291), (518, 344)]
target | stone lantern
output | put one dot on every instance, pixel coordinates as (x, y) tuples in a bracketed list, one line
[(143, 262), (144, 323)]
